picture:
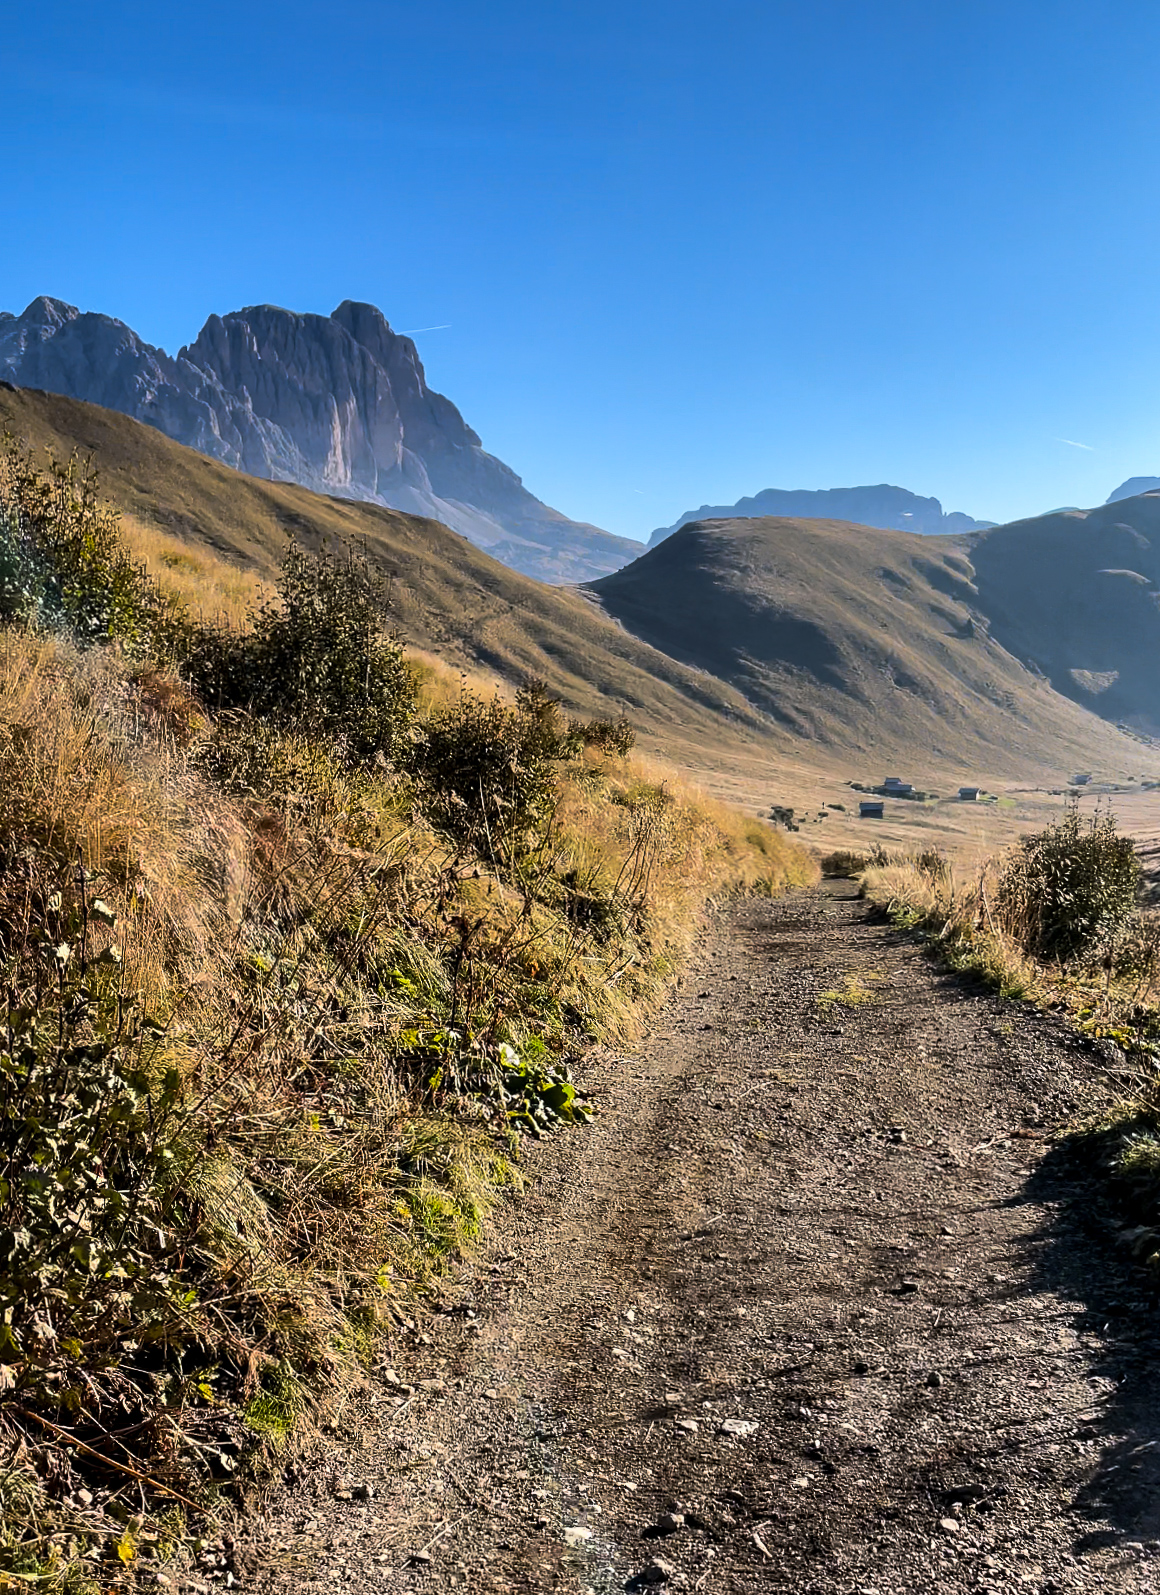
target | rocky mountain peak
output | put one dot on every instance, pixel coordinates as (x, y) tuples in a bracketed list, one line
[(49, 314), (339, 404)]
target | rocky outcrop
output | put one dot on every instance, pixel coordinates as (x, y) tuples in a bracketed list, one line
[(891, 508), (339, 404)]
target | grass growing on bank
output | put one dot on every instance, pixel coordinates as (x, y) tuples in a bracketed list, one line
[(1056, 918), (300, 940), (1059, 920)]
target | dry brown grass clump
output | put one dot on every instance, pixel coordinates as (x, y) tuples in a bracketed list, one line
[(1071, 890)]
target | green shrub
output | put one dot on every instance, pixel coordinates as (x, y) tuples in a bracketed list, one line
[(317, 661), (62, 564), (610, 736), (1071, 889), (88, 1258), (486, 770)]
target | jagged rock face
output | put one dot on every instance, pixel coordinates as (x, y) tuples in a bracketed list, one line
[(96, 358), (891, 508), (337, 425), (339, 404)]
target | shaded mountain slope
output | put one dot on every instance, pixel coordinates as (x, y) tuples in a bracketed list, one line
[(1076, 594), (448, 596), (339, 404), (893, 508), (855, 639)]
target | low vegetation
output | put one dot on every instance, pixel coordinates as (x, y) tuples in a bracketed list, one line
[(301, 939), (1061, 920)]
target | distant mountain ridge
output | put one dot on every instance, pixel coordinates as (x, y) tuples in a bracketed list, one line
[(1133, 487), (840, 631), (338, 404), (894, 509)]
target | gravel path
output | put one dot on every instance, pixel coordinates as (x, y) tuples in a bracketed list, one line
[(813, 1307)]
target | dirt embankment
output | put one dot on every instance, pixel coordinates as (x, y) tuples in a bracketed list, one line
[(817, 1283)]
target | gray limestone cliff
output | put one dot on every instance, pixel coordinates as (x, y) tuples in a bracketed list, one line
[(339, 404)]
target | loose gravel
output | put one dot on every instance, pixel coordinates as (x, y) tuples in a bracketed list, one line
[(818, 1304)]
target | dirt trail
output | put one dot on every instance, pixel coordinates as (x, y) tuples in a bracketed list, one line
[(819, 1208)]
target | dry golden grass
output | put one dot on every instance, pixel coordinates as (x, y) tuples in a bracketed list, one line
[(216, 591), (340, 1014), (290, 968), (1115, 993)]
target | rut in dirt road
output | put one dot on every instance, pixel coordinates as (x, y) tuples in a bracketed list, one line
[(811, 1308)]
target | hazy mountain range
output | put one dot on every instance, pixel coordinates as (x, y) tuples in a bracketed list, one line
[(340, 404), (891, 508), (1134, 486)]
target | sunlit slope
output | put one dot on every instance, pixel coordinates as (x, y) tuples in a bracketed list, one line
[(856, 639), (447, 596), (755, 644)]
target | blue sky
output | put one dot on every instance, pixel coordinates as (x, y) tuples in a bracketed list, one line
[(678, 252)]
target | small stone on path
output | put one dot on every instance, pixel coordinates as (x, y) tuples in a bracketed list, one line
[(739, 1427)]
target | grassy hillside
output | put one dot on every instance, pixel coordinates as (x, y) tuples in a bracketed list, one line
[(868, 642), (447, 596), (1077, 595), (765, 637)]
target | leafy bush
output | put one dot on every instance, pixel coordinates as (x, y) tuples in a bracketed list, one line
[(317, 661), (62, 564), (1071, 889), (88, 1262), (486, 771), (610, 736)]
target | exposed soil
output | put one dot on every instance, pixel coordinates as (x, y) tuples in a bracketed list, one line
[(837, 1223)]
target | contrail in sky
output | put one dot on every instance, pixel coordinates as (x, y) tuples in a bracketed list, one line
[(413, 332), (1072, 444)]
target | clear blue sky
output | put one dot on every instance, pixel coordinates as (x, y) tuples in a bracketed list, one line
[(686, 250)]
